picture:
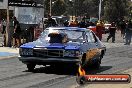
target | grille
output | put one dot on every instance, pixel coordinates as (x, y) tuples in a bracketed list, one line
[(25, 52), (47, 53)]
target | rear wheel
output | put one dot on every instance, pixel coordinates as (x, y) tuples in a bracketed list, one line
[(96, 64), (31, 67)]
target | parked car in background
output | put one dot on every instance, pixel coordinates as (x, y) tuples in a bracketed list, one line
[(63, 45)]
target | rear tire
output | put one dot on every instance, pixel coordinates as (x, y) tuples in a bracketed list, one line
[(31, 67), (96, 65)]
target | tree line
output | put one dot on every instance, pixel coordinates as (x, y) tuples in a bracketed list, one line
[(112, 10)]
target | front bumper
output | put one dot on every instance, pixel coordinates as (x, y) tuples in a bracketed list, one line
[(39, 60)]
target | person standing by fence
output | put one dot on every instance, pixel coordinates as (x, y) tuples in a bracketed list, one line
[(112, 30), (100, 29), (122, 26), (16, 34), (50, 22), (4, 26), (128, 32)]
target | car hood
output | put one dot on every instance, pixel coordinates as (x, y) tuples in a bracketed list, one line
[(67, 46)]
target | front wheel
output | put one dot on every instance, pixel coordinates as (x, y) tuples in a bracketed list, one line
[(31, 67)]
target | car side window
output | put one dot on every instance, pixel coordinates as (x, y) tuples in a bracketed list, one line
[(90, 37)]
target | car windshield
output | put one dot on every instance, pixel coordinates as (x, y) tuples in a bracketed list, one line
[(71, 34)]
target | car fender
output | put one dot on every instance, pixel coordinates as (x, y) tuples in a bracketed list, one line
[(93, 53)]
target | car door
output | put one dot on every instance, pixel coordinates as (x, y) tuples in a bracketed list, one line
[(92, 46), (91, 40)]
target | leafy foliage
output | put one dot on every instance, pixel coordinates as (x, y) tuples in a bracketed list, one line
[(58, 8), (115, 9), (112, 10)]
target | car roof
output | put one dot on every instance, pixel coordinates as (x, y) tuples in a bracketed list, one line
[(69, 28)]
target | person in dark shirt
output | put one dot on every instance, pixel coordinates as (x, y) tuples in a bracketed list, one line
[(112, 30), (50, 22), (16, 34), (66, 23), (82, 24), (4, 27), (128, 32), (122, 28)]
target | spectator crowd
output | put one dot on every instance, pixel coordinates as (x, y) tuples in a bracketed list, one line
[(124, 26)]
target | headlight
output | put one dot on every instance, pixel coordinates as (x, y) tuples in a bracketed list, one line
[(71, 53), (26, 51)]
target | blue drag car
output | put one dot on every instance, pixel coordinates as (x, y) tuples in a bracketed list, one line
[(63, 45)]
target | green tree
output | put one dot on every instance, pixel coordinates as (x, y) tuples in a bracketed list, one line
[(74, 7), (87, 7), (58, 8), (46, 7), (91, 7), (115, 9), (130, 10), (82, 7)]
